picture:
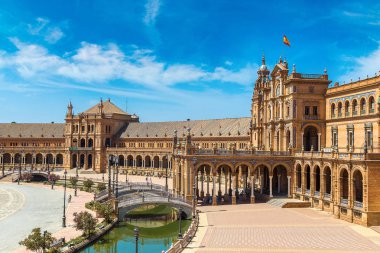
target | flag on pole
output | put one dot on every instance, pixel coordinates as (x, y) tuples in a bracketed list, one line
[(286, 41)]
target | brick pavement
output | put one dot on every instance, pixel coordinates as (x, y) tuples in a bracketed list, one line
[(264, 228)]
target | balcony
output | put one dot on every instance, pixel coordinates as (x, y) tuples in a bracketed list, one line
[(355, 113), (358, 204), (333, 116), (372, 110), (347, 114), (327, 196), (339, 115), (310, 117), (80, 148), (344, 202), (362, 112)]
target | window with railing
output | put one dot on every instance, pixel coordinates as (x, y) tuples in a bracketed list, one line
[(354, 107), (362, 106), (371, 105)]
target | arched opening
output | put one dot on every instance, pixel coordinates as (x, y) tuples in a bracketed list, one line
[(165, 163), (371, 105), (156, 162), (347, 108), (28, 158), (344, 186), (39, 158), (340, 109), (307, 175), (333, 110), (277, 140), (89, 161), (121, 161), (130, 161), (17, 158), (90, 143), (242, 190), (317, 179), (263, 175), (203, 183), (310, 139), (74, 160), (280, 181), (81, 160), (82, 143), (147, 162), (299, 176), (328, 180), (7, 158), (75, 143), (224, 186), (138, 161), (358, 186), (354, 107), (49, 159), (288, 144), (59, 159), (362, 106), (108, 142)]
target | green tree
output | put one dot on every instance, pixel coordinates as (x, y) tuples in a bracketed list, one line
[(88, 184), (37, 241), (52, 179), (86, 222), (74, 181), (105, 211), (101, 187)]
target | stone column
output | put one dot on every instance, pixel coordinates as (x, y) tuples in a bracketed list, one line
[(253, 189), (202, 181), (289, 195), (208, 186), (319, 141), (214, 203), (278, 183), (220, 179), (270, 186), (134, 163), (233, 188)]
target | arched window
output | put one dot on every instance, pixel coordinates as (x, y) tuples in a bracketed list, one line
[(82, 143), (339, 109), (347, 108), (333, 111), (362, 106), (354, 107), (278, 91), (371, 105), (90, 143)]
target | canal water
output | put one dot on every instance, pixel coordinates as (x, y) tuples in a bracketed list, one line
[(155, 236)]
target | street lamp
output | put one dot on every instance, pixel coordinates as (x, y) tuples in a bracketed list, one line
[(180, 219), (109, 176), (194, 199), (64, 203), (117, 176), (136, 232), (166, 174), (19, 168), (2, 161)]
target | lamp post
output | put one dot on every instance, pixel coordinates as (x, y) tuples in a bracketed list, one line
[(64, 203), (136, 232), (19, 168), (117, 176), (109, 176), (2, 161), (76, 167), (194, 199), (44, 242), (180, 220), (166, 174)]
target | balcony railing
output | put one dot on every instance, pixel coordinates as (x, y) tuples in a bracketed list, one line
[(362, 112), (339, 115), (307, 192), (354, 113), (358, 204), (327, 196), (240, 152), (80, 148), (347, 114), (310, 117), (333, 116), (344, 202), (371, 110), (312, 76), (299, 189)]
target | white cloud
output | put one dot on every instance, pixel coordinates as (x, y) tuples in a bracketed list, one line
[(53, 35), (362, 66), (43, 28), (152, 8), (93, 65)]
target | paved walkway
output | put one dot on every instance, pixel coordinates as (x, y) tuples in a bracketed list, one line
[(264, 228), (26, 206)]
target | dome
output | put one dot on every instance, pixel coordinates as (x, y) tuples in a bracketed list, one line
[(263, 67)]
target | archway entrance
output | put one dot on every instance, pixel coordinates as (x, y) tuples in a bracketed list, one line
[(310, 139), (358, 188), (344, 186), (280, 181)]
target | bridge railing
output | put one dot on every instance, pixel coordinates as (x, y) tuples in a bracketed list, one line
[(152, 199)]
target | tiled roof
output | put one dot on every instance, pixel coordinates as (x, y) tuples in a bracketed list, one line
[(108, 108), (32, 130), (214, 127)]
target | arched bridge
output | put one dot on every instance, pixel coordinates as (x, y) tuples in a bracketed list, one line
[(126, 189), (127, 204), (35, 174)]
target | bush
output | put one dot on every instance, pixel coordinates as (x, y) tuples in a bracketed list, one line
[(101, 187), (86, 222), (37, 241), (105, 210), (88, 184)]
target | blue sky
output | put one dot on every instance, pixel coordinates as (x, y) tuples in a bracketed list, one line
[(171, 60)]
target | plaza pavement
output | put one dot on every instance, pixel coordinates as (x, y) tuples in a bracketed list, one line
[(264, 228), (31, 205)]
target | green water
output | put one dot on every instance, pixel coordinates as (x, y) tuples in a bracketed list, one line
[(155, 236)]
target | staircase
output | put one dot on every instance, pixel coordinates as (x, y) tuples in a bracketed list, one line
[(6, 178), (288, 203)]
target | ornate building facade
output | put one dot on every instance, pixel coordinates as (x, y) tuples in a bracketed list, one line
[(303, 140)]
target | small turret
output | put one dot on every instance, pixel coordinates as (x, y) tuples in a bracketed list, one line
[(69, 112), (100, 107)]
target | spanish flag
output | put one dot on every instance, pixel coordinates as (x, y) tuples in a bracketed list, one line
[(286, 41)]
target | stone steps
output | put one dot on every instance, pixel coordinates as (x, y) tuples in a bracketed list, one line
[(288, 203)]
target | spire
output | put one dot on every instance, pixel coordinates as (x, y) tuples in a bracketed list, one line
[(100, 106), (280, 60), (263, 60), (69, 109), (294, 68)]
